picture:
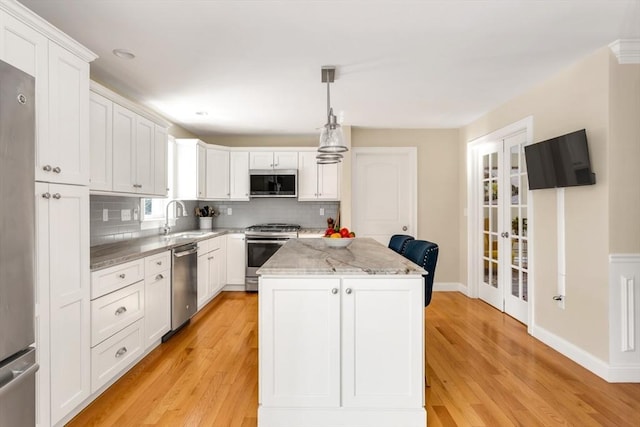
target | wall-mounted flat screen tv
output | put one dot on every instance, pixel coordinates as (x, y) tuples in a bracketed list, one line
[(559, 162)]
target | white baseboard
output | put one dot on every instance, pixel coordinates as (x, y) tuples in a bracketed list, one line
[(613, 374), (449, 287), (234, 288)]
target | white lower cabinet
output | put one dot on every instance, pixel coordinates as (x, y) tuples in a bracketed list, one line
[(341, 352), (157, 297), (211, 269), (114, 311), (236, 256)]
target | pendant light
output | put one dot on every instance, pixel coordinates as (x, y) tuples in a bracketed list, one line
[(331, 137)]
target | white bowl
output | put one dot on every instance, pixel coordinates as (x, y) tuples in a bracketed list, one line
[(338, 243)]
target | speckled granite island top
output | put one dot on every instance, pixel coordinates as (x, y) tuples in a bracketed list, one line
[(314, 257)]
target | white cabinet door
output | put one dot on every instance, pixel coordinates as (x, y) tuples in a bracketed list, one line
[(307, 176), (236, 255), (201, 171), (300, 342), (329, 182), (124, 128), (216, 272), (144, 155), (203, 279), (239, 175), (67, 149), (285, 160), (261, 160), (382, 367), (63, 261), (161, 145), (101, 142), (217, 175), (157, 306)]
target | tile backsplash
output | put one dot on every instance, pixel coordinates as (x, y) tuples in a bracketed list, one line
[(243, 214)]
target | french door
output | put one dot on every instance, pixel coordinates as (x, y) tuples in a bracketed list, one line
[(503, 213)]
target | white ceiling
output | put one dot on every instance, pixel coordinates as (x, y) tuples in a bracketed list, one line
[(254, 66)]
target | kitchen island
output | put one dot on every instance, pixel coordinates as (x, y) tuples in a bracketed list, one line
[(341, 337)]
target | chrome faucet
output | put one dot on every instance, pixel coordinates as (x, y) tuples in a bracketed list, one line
[(167, 228)]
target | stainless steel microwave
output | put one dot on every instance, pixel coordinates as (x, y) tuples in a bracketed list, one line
[(273, 183)]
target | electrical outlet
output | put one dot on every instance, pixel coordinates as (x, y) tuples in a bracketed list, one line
[(125, 215), (229, 211), (321, 211), (135, 214), (105, 215)]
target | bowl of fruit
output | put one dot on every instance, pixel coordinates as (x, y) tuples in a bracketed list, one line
[(338, 238)]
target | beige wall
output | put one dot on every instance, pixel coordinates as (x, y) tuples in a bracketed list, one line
[(575, 98), (263, 140), (180, 132), (624, 158), (438, 184)]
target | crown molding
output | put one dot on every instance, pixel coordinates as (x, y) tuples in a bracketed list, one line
[(627, 51)]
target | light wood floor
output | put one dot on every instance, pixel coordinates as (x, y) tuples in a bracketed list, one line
[(484, 371)]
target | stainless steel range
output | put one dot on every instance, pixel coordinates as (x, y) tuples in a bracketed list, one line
[(263, 240)]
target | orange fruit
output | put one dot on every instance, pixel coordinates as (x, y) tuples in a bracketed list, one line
[(335, 236)]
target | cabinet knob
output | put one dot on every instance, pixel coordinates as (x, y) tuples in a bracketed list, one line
[(122, 276), (348, 291), (404, 228), (57, 169), (334, 291), (121, 352), (121, 310), (46, 196), (159, 277), (56, 196), (46, 168), (159, 262)]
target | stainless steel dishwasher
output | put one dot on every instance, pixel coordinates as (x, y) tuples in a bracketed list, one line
[(184, 286)]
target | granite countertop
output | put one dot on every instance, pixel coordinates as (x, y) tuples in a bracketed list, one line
[(314, 257), (103, 256)]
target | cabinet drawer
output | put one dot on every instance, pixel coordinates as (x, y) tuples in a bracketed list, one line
[(157, 263), (110, 357), (203, 246), (116, 277), (216, 243), (114, 311)]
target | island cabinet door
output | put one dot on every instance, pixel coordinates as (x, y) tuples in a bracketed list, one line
[(382, 343), (300, 342)]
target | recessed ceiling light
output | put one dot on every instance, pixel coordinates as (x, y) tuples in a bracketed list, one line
[(202, 113), (123, 54)]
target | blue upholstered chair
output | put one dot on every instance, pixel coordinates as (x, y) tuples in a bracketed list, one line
[(425, 254), (398, 242)]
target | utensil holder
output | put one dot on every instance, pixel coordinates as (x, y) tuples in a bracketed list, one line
[(206, 222)]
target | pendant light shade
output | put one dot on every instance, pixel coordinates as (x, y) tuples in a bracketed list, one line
[(328, 158), (331, 136)]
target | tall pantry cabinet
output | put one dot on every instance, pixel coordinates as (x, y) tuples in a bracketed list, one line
[(61, 69)]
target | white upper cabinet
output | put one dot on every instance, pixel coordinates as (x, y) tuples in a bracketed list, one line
[(217, 175), (273, 160), (317, 182), (191, 165), (239, 175), (128, 150), (64, 157), (100, 138)]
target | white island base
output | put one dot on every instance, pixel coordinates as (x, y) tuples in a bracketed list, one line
[(343, 348)]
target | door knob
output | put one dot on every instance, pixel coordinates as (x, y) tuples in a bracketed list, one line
[(404, 228)]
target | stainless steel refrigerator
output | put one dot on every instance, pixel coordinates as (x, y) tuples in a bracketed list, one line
[(17, 248)]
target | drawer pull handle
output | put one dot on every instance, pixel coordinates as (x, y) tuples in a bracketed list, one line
[(159, 277), (159, 263), (122, 276), (121, 310), (121, 352)]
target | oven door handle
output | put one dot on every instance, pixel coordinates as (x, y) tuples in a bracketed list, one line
[(277, 242)]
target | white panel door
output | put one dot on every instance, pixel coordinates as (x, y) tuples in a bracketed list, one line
[(239, 175), (160, 165), (261, 160), (382, 351), (68, 210), (201, 177), (307, 176), (217, 185), (236, 254), (203, 279), (285, 160), (157, 306), (67, 150), (329, 182), (384, 184), (300, 342)]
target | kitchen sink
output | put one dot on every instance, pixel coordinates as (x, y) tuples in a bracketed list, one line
[(187, 235)]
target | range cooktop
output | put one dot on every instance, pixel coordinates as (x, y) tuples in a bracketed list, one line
[(274, 228)]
